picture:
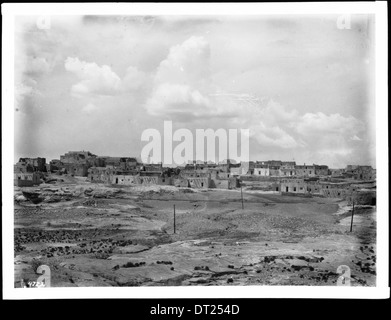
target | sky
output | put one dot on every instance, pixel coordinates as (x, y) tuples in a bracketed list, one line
[(302, 85)]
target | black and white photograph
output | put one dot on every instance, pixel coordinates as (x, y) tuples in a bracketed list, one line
[(234, 148)]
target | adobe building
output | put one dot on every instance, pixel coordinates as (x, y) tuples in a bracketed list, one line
[(76, 169), (292, 186), (315, 187), (336, 172), (321, 170), (251, 166), (244, 169), (287, 168), (225, 183), (361, 172), (77, 163), (236, 171), (125, 163), (54, 165), (199, 182), (100, 174), (274, 163), (98, 161), (305, 170), (193, 177), (261, 170), (122, 179), (181, 182), (27, 179), (336, 189), (274, 171), (78, 157), (30, 165)]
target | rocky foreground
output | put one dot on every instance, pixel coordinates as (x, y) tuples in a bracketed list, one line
[(96, 235)]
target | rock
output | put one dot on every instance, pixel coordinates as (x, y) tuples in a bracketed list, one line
[(34, 197), (20, 198), (268, 259), (52, 199)]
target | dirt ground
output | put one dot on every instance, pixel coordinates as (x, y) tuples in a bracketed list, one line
[(100, 235)]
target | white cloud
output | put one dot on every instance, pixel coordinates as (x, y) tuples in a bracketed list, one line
[(24, 90), (94, 79), (269, 122), (36, 66), (329, 137), (89, 108), (133, 79), (186, 63), (314, 123), (268, 136), (177, 99), (355, 138), (303, 66), (181, 81), (102, 80)]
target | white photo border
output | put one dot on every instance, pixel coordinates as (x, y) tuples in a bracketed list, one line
[(379, 9)]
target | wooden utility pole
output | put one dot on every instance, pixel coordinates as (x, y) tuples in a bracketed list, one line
[(351, 222), (174, 218), (241, 193)]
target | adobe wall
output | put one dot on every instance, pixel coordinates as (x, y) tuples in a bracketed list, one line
[(181, 182), (199, 183), (220, 183)]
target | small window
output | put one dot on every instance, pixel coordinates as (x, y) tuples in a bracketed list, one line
[(294, 188), (164, 180), (202, 184)]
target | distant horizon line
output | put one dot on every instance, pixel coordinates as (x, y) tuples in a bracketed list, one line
[(138, 158)]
